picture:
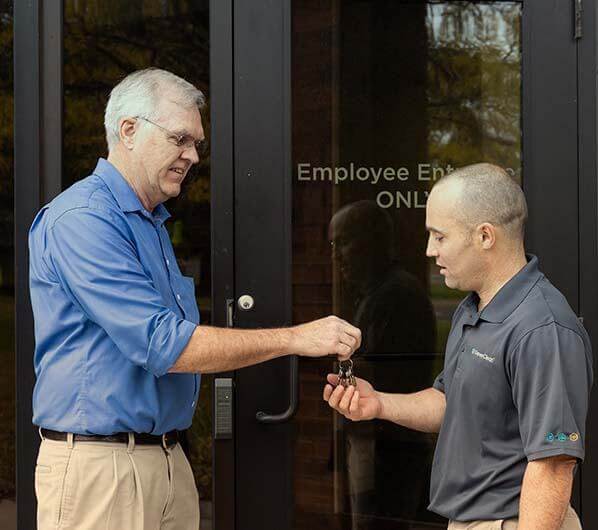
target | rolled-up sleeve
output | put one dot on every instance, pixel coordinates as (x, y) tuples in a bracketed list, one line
[(551, 375), (95, 260), (439, 382)]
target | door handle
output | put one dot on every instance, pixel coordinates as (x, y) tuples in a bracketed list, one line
[(265, 417)]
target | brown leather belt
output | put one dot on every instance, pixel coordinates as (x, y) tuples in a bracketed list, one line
[(167, 440)]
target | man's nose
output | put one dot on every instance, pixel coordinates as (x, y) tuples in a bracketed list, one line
[(431, 251), (191, 154)]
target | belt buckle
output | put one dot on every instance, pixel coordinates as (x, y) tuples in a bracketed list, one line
[(165, 444)]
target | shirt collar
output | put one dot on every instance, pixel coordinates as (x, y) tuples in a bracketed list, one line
[(510, 295), (125, 196)]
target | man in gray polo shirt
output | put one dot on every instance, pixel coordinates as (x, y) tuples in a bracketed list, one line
[(510, 404)]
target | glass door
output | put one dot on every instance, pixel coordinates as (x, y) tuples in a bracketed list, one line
[(347, 112), (397, 94)]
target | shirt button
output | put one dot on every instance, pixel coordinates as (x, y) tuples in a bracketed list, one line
[(178, 297), (193, 404), (167, 262)]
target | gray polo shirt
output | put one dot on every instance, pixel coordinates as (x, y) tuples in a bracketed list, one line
[(516, 377)]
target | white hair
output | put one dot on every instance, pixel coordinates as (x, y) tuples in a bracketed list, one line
[(139, 94)]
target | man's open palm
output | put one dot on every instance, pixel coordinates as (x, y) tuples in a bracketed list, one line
[(355, 403)]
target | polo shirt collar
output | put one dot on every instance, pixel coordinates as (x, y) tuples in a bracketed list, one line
[(510, 295), (125, 196)]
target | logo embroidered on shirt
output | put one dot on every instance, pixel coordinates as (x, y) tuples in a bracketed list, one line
[(562, 437), (482, 355)]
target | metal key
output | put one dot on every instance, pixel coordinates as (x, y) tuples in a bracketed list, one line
[(346, 377)]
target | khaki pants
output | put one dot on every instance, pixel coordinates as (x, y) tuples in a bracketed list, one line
[(112, 486), (571, 522)]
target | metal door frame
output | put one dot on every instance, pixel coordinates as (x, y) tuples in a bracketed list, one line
[(588, 234), (38, 160)]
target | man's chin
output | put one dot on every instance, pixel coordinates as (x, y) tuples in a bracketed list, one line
[(450, 283), (172, 191)]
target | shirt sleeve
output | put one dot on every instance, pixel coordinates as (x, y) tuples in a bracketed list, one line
[(439, 382), (551, 376), (96, 263)]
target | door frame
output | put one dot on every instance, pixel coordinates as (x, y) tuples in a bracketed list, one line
[(262, 139), (263, 201), (37, 175), (588, 237), (222, 197)]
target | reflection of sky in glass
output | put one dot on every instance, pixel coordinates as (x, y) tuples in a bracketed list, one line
[(467, 25), (474, 78)]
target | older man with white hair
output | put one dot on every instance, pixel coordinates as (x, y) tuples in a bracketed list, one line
[(510, 404), (118, 345)]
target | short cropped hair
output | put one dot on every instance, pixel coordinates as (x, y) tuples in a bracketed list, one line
[(139, 94), (489, 195)]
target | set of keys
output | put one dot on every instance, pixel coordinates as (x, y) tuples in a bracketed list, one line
[(346, 377)]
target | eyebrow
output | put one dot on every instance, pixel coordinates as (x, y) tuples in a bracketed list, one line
[(184, 132), (181, 132), (432, 229)]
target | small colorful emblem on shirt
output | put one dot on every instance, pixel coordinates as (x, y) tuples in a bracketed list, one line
[(562, 437)]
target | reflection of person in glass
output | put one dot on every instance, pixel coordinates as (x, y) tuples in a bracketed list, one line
[(389, 304), (510, 405), (118, 345), (395, 315)]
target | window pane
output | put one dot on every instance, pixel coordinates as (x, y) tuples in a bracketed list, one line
[(103, 42), (387, 97), (7, 298)]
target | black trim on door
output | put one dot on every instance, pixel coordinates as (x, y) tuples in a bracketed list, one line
[(550, 150), (262, 39), (222, 223), (27, 186), (38, 170), (550, 142), (588, 234), (51, 94)]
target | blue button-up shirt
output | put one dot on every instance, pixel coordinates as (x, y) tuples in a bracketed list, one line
[(112, 313)]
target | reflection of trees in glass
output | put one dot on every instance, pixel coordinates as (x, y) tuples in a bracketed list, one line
[(474, 100), (7, 357), (104, 40), (474, 76)]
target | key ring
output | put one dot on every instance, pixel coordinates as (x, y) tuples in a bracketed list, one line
[(346, 377)]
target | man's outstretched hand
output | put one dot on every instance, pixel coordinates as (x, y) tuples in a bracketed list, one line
[(355, 403), (326, 336)]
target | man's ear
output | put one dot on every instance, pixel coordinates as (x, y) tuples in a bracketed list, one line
[(487, 235), (127, 128)]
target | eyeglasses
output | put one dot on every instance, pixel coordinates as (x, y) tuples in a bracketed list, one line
[(184, 141)]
